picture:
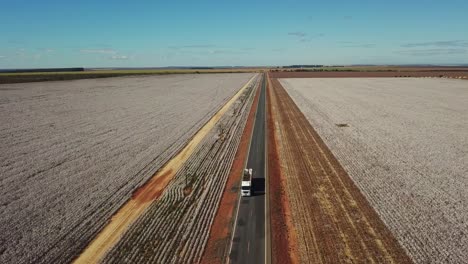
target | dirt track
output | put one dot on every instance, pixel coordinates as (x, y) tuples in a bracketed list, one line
[(332, 220), (283, 238), (405, 147)]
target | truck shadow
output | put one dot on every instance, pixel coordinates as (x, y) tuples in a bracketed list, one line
[(258, 186)]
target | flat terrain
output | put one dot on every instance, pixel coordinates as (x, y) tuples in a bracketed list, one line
[(327, 219), (404, 143), (71, 153), (175, 226), (221, 233), (38, 76), (248, 245), (437, 73)]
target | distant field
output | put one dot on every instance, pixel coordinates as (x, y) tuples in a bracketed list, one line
[(404, 144), (327, 71), (72, 153), (73, 75), (372, 72), (373, 69)]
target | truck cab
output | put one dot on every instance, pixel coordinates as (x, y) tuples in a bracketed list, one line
[(246, 186)]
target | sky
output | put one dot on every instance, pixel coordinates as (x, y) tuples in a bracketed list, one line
[(41, 34)]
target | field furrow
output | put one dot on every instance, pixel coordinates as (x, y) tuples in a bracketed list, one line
[(332, 221)]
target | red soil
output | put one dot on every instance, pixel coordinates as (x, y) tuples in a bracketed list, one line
[(330, 216), (283, 241), (148, 192), (217, 247)]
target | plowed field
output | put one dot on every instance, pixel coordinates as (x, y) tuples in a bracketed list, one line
[(332, 220)]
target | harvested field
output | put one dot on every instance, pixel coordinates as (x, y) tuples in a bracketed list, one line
[(455, 74), (331, 219), (71, 153), (405, 145), (175, 227)]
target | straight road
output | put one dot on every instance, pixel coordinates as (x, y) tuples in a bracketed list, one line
[(248, 245)]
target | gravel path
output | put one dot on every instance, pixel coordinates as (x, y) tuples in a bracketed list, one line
[(405, 144), (72, 152)]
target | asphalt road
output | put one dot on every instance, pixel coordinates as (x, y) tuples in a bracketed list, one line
[(248, 245)]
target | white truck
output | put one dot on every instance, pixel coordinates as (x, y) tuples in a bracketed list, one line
[(246, 186)]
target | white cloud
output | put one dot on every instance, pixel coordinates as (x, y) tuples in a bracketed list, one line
[(433, 52), (46, 50), (198, 46), (445, 43), (297, 34), (99, 51), (21, 52), (304, 37), (119, 57)]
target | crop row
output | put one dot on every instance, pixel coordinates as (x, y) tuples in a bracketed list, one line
[(404, 146), (71, 153), (175, 228)]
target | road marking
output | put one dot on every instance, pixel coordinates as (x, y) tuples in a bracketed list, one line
[(267, 258), (228, 259)]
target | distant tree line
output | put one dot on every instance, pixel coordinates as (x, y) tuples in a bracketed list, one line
[(304, 66), (78, 69)]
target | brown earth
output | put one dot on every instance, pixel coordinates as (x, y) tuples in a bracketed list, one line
[(361, 74), (332, 220), (149, 191), (281, 236), (217, 247)]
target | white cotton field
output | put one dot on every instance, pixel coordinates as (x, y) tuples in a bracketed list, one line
[(176, 226), (404, 142), (72, 152)]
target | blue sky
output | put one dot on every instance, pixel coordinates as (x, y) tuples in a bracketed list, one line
[(214, 33)]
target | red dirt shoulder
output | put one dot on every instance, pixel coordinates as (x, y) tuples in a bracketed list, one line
[(219, 240)]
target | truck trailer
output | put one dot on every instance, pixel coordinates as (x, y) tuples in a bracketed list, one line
[(246, 186)]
